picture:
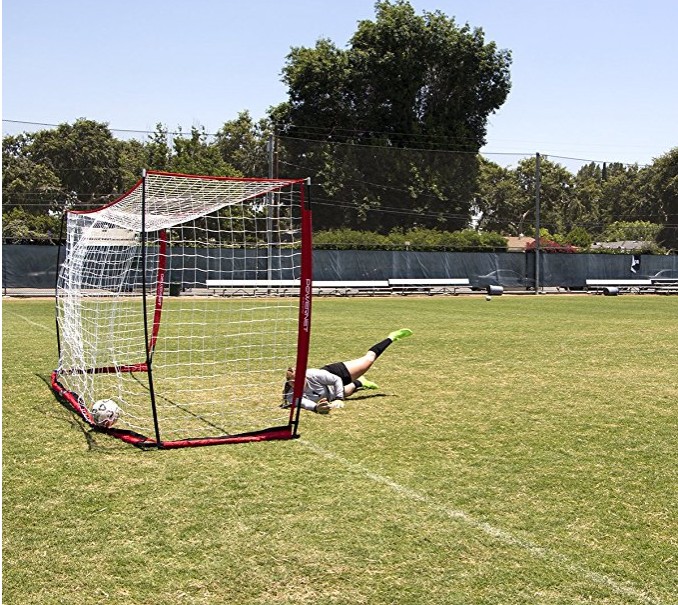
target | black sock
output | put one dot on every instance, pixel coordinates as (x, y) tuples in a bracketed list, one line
[(357, 384), (380, 347)]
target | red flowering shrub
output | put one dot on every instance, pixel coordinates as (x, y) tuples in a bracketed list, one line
[(548, 245)]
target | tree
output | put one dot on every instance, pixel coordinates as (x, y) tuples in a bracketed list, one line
[(242, 144), (641, 231), (579, 237), (497, 201), (192, 155), (84, 156), (27, 185), (134, 157), (621, 196), (369, 123), (556, 194), (588, 192), (19, 226), (158, 149), (663, 187)]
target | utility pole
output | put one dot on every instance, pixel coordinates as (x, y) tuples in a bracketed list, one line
[(537, 188), (271, 212), (270, 147)]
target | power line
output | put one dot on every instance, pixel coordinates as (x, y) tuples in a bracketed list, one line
[(336, 131), (128, 130)]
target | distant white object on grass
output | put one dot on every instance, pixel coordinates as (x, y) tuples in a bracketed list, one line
[(105, 413), (488, 297)]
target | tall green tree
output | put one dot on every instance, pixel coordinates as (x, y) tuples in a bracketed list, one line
[(70, 165), (194, 155), (159, 149), (556, 195), (84, 156), (26, 183), (134, 157), (662, 186), (621, 196), (392, 123), (243, 143), (588, 190), (498, 205)]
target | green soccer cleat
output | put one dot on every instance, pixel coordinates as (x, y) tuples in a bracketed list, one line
[(398, 334), (368, 384)]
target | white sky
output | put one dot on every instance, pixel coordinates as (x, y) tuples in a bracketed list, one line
[(592, 79)]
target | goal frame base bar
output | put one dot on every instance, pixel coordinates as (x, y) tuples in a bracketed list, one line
[(278, 433)]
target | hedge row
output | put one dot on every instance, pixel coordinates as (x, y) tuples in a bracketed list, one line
[(467, 240)]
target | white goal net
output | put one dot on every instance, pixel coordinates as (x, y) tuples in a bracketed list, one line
[(181, 305)]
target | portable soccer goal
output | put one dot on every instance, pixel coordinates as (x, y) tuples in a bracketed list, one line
[(151, 354)]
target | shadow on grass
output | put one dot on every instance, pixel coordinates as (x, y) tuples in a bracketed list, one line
[(90, 433), (370, 396)]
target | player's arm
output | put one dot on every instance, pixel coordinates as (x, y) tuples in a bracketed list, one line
[(307, 404)]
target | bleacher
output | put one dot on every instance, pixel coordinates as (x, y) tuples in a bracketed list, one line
[(611, 287), (433, 286), (254, 287), (283, 287), (401, 286), (405, 286)]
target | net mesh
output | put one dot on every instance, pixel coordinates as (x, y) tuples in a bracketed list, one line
[(218, 362)]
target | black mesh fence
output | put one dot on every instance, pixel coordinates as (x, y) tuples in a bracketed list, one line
[(31, 266)]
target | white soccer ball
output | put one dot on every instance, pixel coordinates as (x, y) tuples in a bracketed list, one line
[(488, 297), (105, 413)]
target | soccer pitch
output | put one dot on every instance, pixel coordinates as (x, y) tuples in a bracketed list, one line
[(521, 450)]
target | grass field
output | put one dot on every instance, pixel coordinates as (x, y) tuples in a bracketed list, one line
[(521, 450)]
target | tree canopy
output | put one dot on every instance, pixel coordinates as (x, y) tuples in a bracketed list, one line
[(662, 186), (389, 129), (592, 199), (364, 121), (41, 178)]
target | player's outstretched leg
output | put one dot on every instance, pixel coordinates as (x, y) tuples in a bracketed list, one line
[(358, 367)]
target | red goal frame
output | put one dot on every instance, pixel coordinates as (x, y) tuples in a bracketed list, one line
[(153, 322)]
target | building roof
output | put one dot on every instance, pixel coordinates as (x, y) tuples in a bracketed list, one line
[(623, 245), (518, 243)]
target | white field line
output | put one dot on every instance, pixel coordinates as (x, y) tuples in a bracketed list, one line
[(33, 323), (624, 589)]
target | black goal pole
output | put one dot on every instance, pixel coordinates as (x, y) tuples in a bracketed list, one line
[(56, 285), (149, 369)]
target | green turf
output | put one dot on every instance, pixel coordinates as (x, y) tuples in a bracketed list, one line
[(521, 450)]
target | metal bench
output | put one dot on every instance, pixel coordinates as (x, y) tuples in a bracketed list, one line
[(348, 288), (231, 287), (429, 286), (285, 287), (612, 287), (665, 285)]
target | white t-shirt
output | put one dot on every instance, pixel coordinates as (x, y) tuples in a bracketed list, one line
[(320, 384)]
